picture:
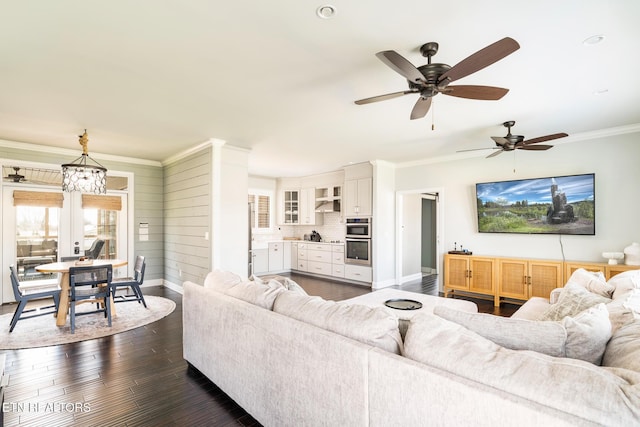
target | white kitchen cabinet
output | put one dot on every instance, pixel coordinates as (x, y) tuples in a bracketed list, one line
[(308, 214), (286, 253), (358, 197), (358, 272), (301, 263), (260, 261), (328, 199), (276, 256), (337, 261), (289, 207)]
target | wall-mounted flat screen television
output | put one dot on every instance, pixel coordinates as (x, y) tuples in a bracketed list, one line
[(553, 205)]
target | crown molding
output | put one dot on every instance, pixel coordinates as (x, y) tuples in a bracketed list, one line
[(213, 142), (69, 152)]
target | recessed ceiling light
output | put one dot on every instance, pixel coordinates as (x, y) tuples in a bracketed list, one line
[(325, 12), (593, 40)]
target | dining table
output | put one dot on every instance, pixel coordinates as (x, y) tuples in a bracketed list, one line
[(63, 269)]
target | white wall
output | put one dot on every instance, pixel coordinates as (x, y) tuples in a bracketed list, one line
[(230, 248), (384, 219), (614, 160)]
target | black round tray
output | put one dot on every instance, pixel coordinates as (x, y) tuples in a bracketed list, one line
[(403, 304)]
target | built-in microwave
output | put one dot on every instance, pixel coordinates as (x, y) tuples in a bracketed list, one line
[(357, 251), (359, 228)]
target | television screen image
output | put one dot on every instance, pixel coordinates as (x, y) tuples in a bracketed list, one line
[(553, 205)]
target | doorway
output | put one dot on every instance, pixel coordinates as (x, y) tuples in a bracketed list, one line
[(42, 224), (419, 233)]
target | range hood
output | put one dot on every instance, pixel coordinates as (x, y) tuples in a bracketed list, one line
[(328, 206)]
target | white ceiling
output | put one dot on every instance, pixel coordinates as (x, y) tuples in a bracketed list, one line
[(152, 78)]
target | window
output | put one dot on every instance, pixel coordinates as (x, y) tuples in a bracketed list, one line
[(260, 211)]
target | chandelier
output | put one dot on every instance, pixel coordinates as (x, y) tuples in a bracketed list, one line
[(79, 175)]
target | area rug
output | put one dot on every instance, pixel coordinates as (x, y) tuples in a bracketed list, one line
[(42, 331)]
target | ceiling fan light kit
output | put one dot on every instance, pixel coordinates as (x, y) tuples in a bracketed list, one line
[(433, 78)]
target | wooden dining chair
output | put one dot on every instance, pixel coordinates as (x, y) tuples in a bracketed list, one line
[(90, 284), (134, 283), (27, 291)]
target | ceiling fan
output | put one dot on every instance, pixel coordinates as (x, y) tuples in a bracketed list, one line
[(15, 176), (517, 142), (430, 79), (31, 175)]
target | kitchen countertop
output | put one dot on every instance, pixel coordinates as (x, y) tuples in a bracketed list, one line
[(265, 245)]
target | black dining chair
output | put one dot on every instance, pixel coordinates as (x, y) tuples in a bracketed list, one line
[(25, 292), (134, 283), (90, 284), (94, 251)]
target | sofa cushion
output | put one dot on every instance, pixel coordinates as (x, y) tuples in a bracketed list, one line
[(221, 280), (625, 306), (373, 326), (574, 298), (588, 334), (255, 293), (583, 337), (623, 350), (517, 334), (593, 281), (282, 281), (606, 399)]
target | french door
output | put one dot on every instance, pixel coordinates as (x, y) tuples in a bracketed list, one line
[(41, 225)]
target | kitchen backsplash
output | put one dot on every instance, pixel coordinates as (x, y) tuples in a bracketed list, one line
[(333, 229)]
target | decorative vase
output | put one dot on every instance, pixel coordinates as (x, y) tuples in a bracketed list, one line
[(632, 254)]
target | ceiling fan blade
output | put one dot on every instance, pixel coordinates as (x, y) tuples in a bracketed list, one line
[(500, 140), (534, 147), (400, 65), (421, 108), (478, 149), (494, 154), (481, 59), (384, 97), (544, 138), (488, 93)]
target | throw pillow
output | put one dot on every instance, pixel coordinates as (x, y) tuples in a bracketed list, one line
[(574, 298), (516, 334), (623, 350), (373, 326), (588, 334), (593, 281), (256, 279), (255, 293), (293, 286), (221, 280)]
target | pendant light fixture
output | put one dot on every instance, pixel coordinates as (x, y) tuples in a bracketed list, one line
[(80, 175)]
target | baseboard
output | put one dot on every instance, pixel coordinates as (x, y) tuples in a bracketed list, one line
[(411, 278), (172, 286)]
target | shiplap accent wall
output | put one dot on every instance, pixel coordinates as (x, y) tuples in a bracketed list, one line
[(147, 202), (187, 217)]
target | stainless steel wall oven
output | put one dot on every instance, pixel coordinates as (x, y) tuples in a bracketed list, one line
[(357, 251)]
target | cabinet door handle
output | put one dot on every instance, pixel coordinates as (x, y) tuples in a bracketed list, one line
[(469, 274)]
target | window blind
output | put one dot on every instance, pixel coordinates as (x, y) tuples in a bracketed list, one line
[(108, 203), (37, 198)]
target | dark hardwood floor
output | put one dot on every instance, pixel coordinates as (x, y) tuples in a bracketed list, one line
[(139, 378)]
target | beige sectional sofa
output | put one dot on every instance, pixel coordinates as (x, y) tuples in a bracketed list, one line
[(290, 359)]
